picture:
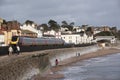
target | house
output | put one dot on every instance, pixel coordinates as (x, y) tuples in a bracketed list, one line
[(54, 33), (100, 29), (12, 28), (77, 29), (27, 33), (2, 39), (63, 29), (96, 30), (105, 28), (9, 29), (1, 21), (71, 37), (110, 39), (31, 28), (77, 38)]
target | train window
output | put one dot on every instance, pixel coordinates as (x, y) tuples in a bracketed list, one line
[(14, 38)]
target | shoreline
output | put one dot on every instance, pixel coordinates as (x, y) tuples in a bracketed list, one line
[(52, 73)]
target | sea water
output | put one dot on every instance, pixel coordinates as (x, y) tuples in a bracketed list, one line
[(101, 68)]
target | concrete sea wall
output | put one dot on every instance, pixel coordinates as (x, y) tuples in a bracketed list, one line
[(25, 67), (71, 52)]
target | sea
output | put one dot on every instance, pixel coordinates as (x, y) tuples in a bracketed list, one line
[(100, 68)]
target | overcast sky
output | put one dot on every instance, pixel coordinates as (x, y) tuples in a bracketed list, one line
[(92, 12)]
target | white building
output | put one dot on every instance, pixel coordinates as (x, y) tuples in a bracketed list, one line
[(76, 38), (2, 40), (77, 28), (97, 30), (31, 28), (54, 33), (112, 39), (63, 29)]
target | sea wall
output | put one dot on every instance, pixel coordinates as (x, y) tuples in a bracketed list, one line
[(25, 67), (61, 55)]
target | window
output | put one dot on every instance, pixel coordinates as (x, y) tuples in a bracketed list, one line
[(13, 33), (70, 37), (14, 38), (70, 41)]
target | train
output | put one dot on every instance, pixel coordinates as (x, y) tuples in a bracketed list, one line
[(28, 41), (31, 44)]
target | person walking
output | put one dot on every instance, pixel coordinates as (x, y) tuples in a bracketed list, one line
[(18, 49), (10, 49), (78, 54), (56, 62)]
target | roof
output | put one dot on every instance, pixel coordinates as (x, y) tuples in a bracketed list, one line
[(105, 36), (27, 31), (48, 35), (1, 33)]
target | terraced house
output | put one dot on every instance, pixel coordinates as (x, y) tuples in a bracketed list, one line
[(9, 29)]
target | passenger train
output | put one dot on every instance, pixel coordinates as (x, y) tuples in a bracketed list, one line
[(27, 41), (31, 44)]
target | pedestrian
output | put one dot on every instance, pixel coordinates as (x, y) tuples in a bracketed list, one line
[(78, 54), (18, 49), (56, 62), (14, 48), (10, 49)]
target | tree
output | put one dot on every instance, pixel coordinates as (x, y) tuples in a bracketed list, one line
[(66, 25), (72, 24), (4, 25), (28, 22), (89, 31), (104, 33), (53, 25), (118, 34), (70, 27), (114, 30), (4, 22), (45, 27), (84, 27)]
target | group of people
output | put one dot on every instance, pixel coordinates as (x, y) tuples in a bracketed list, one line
[(14, 49)]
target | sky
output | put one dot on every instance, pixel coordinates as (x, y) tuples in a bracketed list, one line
[(90, 12)]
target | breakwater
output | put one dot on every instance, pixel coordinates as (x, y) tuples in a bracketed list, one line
[(25, 67)]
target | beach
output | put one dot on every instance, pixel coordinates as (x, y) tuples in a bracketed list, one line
[(52, 73)]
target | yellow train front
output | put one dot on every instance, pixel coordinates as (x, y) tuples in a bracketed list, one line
[(14, 44), (14, 40)]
